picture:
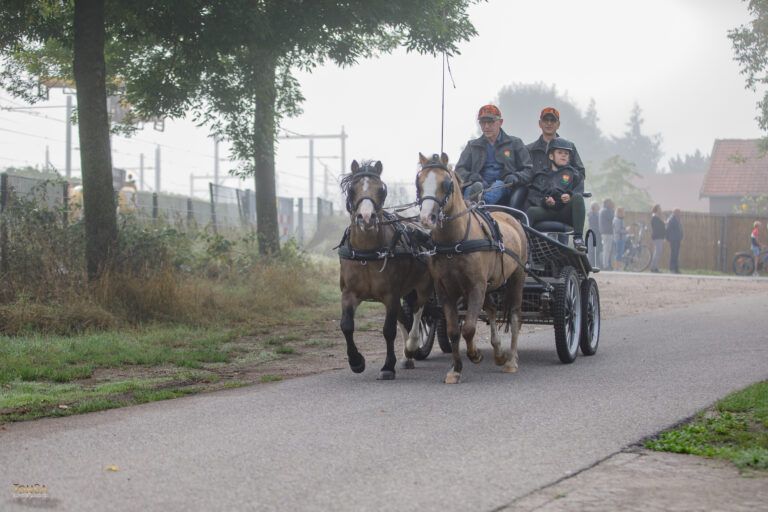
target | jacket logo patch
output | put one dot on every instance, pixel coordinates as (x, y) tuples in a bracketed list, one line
[(506, 153), (566, 179)]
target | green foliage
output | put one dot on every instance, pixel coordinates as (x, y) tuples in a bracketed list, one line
[(525, 102), (696, 162), (752, 205), (750, 44), (642, 150), (737, 430), (615, 181)]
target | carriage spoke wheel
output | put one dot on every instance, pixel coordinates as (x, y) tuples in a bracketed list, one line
[(427, 330), (590, 317), (567, 315)]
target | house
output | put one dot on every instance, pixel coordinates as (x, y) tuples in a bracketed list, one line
[(737, 168)]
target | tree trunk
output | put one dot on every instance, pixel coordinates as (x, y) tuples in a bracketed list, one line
[(93, 126), (264, 128)]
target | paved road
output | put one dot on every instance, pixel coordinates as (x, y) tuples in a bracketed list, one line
[(340, 441)]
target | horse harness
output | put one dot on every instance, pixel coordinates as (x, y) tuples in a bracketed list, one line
[(493, 240), (405, 242)]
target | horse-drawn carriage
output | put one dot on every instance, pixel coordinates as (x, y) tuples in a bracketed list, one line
[(558, 291), (507, 271)]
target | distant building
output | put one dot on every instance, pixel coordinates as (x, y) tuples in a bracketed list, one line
[(737, 168)]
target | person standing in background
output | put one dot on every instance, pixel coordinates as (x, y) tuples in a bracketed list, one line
[(754, 242), (658, 235), (593, 223), (674, 237), (605, 221), (619, 237)]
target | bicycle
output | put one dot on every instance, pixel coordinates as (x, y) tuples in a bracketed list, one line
[(637, 255), (744, 262)]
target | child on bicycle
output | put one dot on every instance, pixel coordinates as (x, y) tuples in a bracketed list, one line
[(754, 240), (551, 193)]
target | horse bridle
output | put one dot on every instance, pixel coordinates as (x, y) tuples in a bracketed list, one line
[(448, 192), (351, 208)]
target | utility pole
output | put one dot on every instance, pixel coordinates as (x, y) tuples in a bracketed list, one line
[(47, 159), (311, 175), (141, 171), (157, 169), (343, 152)]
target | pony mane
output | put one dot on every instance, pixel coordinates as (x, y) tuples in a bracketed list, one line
[(347, 181)]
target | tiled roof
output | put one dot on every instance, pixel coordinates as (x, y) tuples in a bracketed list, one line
[(738, 167)]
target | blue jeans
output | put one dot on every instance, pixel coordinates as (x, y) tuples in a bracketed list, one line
[(497, 195)]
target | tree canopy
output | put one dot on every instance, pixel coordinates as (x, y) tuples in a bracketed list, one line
[(230, 64), (750, 44)]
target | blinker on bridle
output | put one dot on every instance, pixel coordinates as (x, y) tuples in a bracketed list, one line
[(358, 176), (448, 192)]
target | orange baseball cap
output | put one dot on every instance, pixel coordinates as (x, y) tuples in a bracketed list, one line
[(489, 112), (550, 111)]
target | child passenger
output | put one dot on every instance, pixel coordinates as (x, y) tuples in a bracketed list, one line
[(551, 194)]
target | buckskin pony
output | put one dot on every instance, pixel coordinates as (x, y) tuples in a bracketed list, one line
[(479, 259), (378, 262)]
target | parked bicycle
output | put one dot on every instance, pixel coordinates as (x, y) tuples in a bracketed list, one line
[(744, 262), (637, 255)]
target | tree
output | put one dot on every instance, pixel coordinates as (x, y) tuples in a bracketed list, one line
[(73, 29), (521, 105), (642, 150), (750, 44), (696, 162), (232, 64), (615, 181)]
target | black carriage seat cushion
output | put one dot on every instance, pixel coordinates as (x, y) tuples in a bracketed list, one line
[(518, 198), (552, 226)]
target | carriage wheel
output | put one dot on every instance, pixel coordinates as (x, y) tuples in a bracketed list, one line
[(590, 317), (743, 264), (567, 315), (427, 329)]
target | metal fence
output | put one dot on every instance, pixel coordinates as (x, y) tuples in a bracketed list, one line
[(227, 208)]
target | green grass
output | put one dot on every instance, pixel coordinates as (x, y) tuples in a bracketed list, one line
[(270, 378), (735, 429)]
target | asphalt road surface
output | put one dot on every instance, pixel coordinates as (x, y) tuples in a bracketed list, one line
[(340, 441)]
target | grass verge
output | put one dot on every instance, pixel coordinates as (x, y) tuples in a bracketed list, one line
[(735, 429)]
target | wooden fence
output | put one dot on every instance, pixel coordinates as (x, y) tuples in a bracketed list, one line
[(710, 240)]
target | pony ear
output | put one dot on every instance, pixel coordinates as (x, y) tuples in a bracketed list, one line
[(378, 167), (355, 166), (422, 159), (444, 159)]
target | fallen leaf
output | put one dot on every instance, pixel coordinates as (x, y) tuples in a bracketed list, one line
[(112, 468), (63, 406)]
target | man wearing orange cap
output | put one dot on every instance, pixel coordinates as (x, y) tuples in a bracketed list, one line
[(495, 163), (549, 122)]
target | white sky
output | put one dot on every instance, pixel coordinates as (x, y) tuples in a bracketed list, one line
[(673, 57)]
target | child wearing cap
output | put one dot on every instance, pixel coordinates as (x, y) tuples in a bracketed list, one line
[(552, 193)]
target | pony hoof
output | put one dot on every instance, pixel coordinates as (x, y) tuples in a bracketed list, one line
[(408, 364), (409, 354), (478, 356), (357, 366), (453, 378), (501, 360), (509, 368), (386, 375)]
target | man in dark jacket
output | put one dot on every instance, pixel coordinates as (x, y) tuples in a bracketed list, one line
[(552, 193), (605, 218), (674, 237), (495, 161), (549, 122)]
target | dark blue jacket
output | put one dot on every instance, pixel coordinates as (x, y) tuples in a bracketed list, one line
[(674, 229), (549, 183)]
